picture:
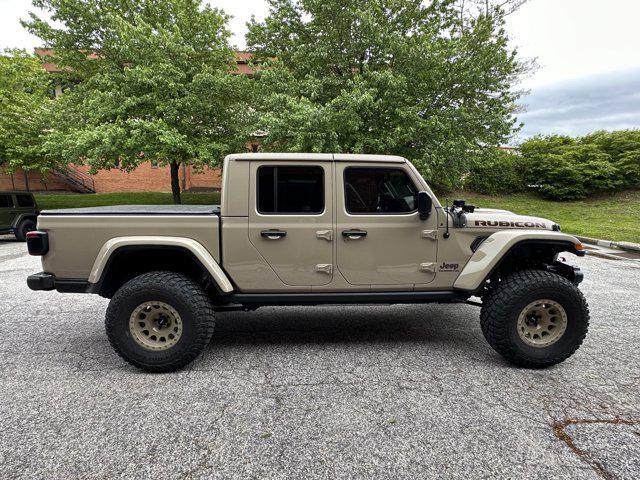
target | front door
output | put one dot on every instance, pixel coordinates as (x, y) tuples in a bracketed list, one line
[(6, 211), (382, 240), (291, 219)]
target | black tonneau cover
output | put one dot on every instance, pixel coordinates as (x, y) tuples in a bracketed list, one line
[(139, 210)]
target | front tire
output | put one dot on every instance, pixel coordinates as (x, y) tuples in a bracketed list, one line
[(160, 321), (535, 318), (23, 228)]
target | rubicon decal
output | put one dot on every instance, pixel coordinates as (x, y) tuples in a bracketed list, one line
[(504, 223)]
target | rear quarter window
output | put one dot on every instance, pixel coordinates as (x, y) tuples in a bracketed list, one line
[(25, 201), (5, 201)]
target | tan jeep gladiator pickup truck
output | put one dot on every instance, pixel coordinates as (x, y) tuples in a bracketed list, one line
[(312, 229)]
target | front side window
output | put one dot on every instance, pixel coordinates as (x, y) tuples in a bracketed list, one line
[(5, 201), (379, 190), (290, 190), (25, 201)]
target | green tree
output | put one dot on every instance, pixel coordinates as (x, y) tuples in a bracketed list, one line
[(24, 102), (385, 76), (157, 84), (497, 172)]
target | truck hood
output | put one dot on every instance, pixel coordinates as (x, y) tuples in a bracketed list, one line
[(494, 219)]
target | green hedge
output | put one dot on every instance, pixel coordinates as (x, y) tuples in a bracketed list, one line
[(560, 167), (496, 172)]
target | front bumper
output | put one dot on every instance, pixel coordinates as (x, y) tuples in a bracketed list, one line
[(570, 272), (48, 281)]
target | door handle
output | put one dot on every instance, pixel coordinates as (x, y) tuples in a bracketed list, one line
[(273, 234), (354, 234), (325, 235)]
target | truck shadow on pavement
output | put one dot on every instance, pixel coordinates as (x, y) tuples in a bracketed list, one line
[(432, 324)]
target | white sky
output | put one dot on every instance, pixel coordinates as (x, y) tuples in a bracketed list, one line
[(576, 38), (573, 40)]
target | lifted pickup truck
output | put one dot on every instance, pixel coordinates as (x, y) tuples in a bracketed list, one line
[(313, 229)]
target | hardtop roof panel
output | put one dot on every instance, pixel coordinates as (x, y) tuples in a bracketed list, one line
[(317, 157)]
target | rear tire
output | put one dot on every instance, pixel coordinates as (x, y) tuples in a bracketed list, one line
[(23, 228), (160, 321), (535, 318)]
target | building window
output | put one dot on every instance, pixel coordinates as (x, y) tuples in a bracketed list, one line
[(290, 190), (254, 148), (379, 190)]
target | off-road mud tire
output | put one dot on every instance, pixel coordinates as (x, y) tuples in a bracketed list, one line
[(182, 294), (25, 226), (503, 305)]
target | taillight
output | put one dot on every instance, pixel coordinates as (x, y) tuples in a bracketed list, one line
[(37, 243)]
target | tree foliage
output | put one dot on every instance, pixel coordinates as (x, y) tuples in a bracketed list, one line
[(24, 102), (386, 76), (156, 83), (497, 172)]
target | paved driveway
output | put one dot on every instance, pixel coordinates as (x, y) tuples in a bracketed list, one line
[(325, 392)]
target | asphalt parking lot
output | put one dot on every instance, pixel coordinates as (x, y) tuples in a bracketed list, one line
[(324, 392)]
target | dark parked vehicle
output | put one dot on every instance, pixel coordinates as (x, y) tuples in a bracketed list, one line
[(18, 213)]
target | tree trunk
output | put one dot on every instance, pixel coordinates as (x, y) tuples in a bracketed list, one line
[(175, 182)]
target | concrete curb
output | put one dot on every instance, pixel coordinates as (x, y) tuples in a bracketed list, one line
[(607, 256), (628, 246)]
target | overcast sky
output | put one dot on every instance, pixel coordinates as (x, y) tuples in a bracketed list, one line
[(588, 52)]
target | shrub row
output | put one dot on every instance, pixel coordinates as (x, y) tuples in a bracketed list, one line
[(561, 167)]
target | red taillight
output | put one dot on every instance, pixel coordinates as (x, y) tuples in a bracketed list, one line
[(37, 243)]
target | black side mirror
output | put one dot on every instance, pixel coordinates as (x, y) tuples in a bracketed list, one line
[(424, 205)]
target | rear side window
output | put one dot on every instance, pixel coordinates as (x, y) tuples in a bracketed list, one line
[(25, 201), (5, 201), (379, 190), (290, 190)]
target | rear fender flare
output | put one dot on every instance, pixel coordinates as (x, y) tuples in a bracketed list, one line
[(196, 248), (24, 216), (496, 246)]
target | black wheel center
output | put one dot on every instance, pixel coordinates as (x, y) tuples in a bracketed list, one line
[(162, 321), (533, 319)]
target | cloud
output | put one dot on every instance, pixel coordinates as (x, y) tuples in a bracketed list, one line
[(575, 107)]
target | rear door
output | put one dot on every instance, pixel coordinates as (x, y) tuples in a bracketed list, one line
[(382, 240), (6, 211), (291, 219), (24, 203)]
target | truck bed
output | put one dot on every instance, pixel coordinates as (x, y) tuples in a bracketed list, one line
[(139, 210)]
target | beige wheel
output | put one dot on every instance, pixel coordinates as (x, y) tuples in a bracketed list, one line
[(542, 323), (155, 325)]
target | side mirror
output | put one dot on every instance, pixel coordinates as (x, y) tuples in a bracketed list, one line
[(424, 205)]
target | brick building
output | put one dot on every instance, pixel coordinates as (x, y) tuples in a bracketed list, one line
[(146, 178)]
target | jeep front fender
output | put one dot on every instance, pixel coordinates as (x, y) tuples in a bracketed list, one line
[(494, 248), (196, 248)]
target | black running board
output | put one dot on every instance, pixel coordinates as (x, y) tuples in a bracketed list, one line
[(342, 298)]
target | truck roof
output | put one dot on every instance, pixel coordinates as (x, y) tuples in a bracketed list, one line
[(324, 157)]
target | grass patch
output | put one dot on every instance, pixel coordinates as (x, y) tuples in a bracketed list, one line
[(48, 201), (611, 217)]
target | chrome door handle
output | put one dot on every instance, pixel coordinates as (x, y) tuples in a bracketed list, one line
[(354, 234), (273, 234)]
